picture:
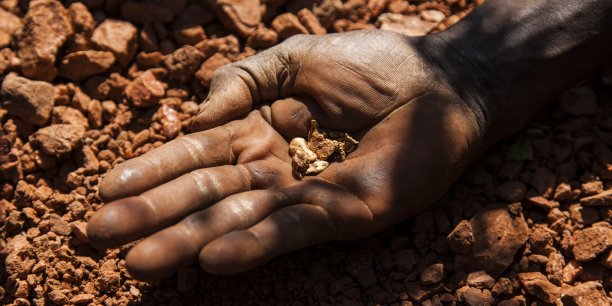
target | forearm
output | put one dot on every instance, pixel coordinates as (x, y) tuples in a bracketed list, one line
[(519, 55)]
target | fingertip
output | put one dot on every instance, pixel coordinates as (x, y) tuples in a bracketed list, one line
[(158, 256), (119, 222)]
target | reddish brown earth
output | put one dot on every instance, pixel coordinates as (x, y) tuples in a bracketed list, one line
[(106, 81)]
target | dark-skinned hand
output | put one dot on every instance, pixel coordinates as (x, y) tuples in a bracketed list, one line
[(225, 195)]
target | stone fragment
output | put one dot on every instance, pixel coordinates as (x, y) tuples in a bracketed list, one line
[(543, 202), (461, 239), (310, 22), (406, 25), (572, 270), (579, 101), (538, 285), (602, 199), (563, 192), (80, 65), (503, 286), (9, 23), (171, 124), (183, 63), (29, 100), (68, 115), (541, 240), (473, 296), (589, 243), (498, 235), (240, 16), (58, 139), (208, 68), (82, 298), (591, 188), (480, 280), (83, 25), (585, 294), (46, 28), (58, 297), (145, 12), (432, 274), (262, 38), (145, 90), (118, 37), (432, 15), (511, 191), (287, 25)]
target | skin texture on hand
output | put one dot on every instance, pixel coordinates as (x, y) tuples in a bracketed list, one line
[(226, 195)]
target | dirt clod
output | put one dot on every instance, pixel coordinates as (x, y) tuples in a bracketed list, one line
[(29, 100)]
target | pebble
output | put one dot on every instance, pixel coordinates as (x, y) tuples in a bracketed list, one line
[(589, 243), (118, 37), (31, 101), (81, 65), (58, 139)]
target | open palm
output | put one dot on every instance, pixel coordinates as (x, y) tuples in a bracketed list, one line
[(226, 194)]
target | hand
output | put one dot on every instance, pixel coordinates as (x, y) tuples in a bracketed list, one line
[(226, 195)]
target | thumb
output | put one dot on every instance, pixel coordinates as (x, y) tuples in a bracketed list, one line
[(237, 88)]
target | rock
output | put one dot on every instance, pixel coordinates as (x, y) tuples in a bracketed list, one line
[(189, 36), (563, 192), (58, 139), (79, 229), (118, 37), (543, 181), (406, 25), (572, 270), (81, 65), (287, 25), (171, 124), (602, 199), (145, 90), (480, 280), (461, 239), (589, 243), (310, 22), (58, 297), (585, 294), (145, 12), (29, 100), (432, 16), (473, 296), (591, 188), (83, 24), (83, 298), (240, 16), (511, 191), (206, 71), (183, 63), (432, 274), (46, 28), (498, 235), (541, 240), (538, 285), (68, 115), (503, 286), (579, 101), (9, 23), (542, 202), (262, 38)]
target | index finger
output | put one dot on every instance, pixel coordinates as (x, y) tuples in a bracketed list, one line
[(204, 149)]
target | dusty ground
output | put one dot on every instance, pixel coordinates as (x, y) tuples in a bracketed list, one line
[(105, 82)]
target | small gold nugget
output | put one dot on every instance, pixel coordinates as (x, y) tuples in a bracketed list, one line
[(310, 157)]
